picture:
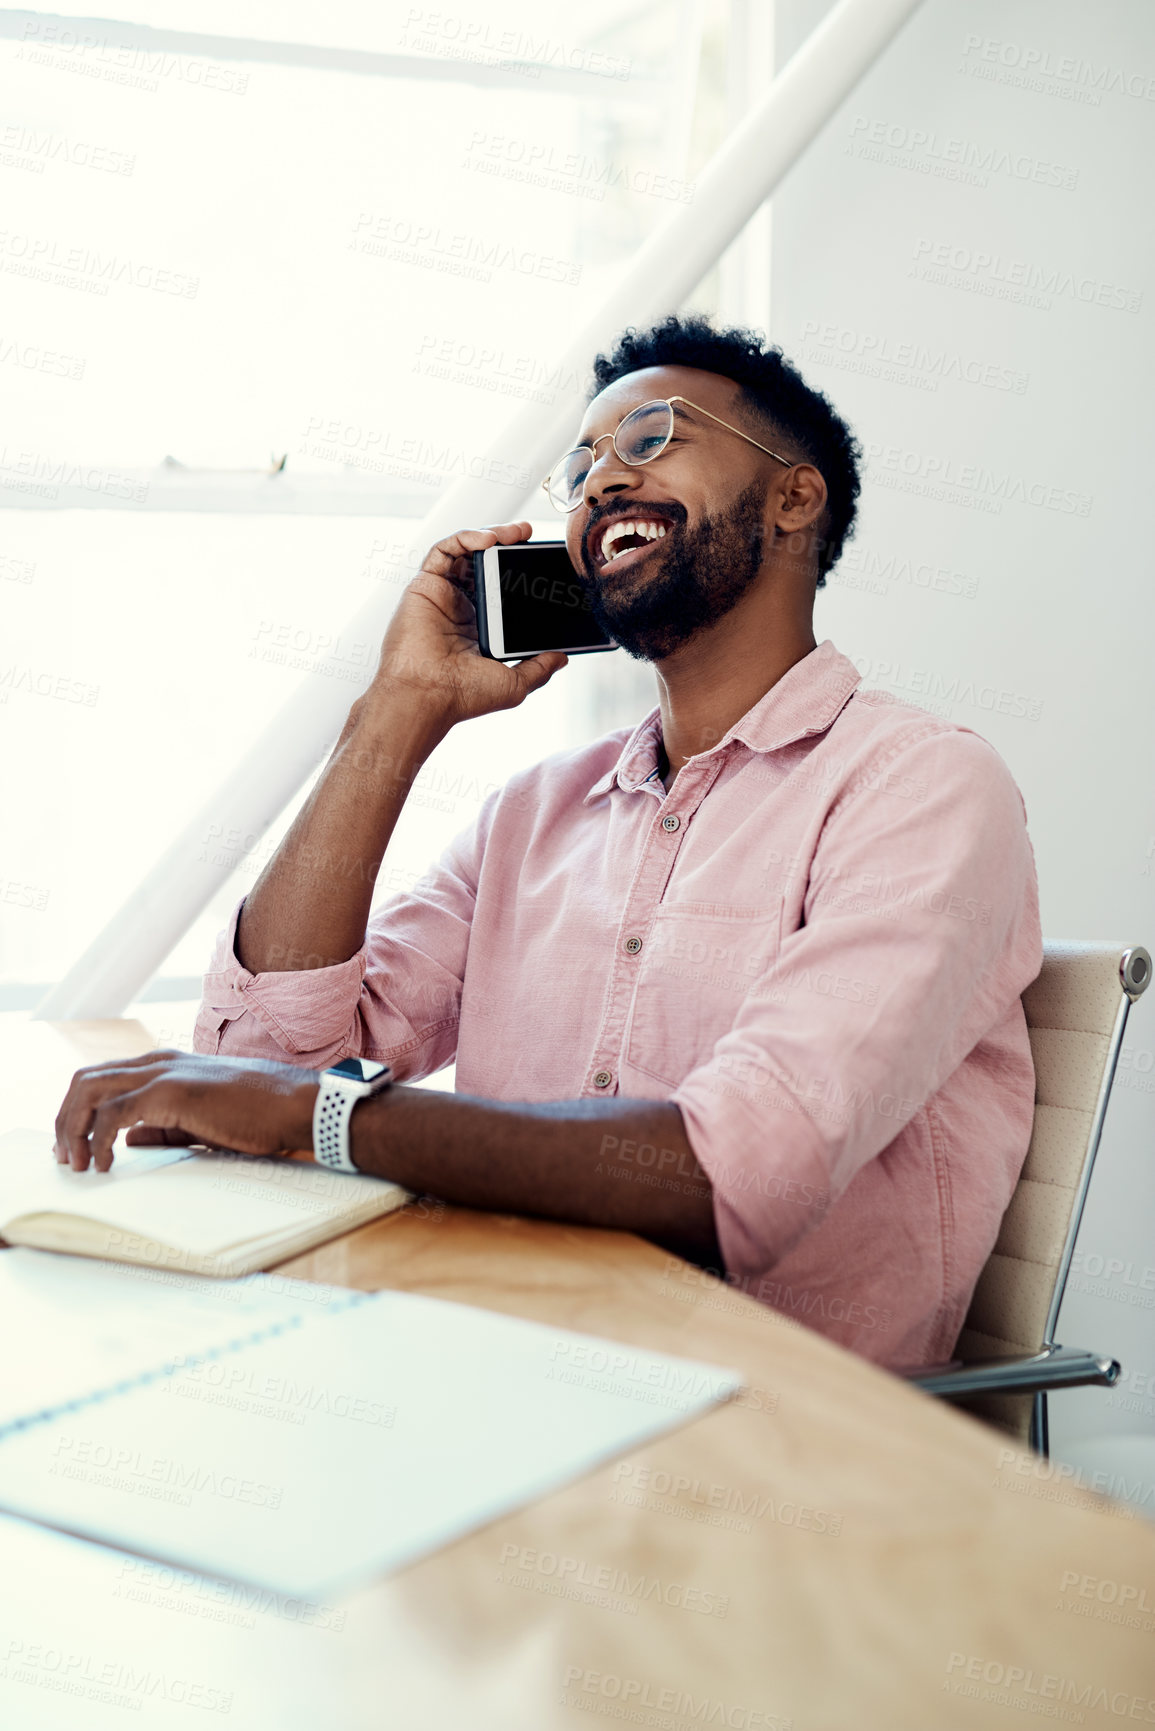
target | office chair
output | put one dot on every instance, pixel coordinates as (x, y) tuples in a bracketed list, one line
[(1007, 1360)]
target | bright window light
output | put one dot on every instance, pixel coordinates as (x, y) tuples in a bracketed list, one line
[(362, 266)]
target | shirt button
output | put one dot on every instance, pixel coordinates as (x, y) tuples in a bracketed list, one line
[(671, 823), (632, 946), (602, 1078)]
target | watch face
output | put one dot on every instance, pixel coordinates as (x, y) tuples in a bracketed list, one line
[(359, 1069)]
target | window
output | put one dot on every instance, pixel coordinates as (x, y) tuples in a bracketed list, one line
[(265, 300)]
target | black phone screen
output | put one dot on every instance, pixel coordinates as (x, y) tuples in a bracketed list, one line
[(543, 602)]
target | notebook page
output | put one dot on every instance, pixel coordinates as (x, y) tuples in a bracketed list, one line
[(201, 1203), (70, 1327), (31, 1179), (351, 1445)]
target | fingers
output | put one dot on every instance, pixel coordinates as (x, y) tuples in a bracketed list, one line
[(87, 1091), (155, 1110), (442, 558), (179, 1098), (109, 1118), (538, 670)]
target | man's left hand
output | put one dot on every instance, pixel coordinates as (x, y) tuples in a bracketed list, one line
[(166, 1097)]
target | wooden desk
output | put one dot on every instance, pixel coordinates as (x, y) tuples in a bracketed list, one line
[(833, 1550)]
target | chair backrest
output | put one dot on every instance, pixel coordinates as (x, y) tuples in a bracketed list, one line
[(1076, 1012)]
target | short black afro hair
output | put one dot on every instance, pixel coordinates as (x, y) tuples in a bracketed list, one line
[(802, 418)]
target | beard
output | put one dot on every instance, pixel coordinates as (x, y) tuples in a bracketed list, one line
[(696, 578)]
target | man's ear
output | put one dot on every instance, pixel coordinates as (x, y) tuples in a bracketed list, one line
[(802, 501)]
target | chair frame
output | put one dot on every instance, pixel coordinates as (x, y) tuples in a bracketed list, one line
[(1053, 1366)]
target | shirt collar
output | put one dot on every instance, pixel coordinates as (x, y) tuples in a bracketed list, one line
[(806, 700)]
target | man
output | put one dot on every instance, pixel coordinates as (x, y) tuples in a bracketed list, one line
[(745, 980)]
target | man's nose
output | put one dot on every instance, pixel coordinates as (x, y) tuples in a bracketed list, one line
[(609, 477)]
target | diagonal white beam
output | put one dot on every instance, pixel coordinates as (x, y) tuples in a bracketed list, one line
[(743, 174)]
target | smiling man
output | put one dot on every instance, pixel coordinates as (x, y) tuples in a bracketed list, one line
[(745, 979)]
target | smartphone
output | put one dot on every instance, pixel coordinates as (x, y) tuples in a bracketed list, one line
[(529, 598)]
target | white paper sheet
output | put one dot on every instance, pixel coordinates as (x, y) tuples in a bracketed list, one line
[(95, 1640), (351, 1445), (70, 1326)]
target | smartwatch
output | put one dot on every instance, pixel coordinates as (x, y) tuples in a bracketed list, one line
[(342, 1086)]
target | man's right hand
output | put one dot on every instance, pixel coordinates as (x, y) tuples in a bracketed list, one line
[(310, 905), (430, 649)]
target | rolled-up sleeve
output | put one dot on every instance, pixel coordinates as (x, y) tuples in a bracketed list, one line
[(398, 999), (919, 930)]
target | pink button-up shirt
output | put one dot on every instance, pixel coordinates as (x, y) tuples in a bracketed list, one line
[(814, 945)]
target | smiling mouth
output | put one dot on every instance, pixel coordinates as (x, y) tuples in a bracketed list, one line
[(624, 539)]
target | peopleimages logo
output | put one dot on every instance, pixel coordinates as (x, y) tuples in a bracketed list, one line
[(1055, 1479), (18, 894), (1024, 1687), (42, 683), (376, 450), (113, 1682), (471, 38), (926, 685), (188, 1593), (35, 359), (33, 472), (493, 369), (1033, 68), (991, 273), (887, 357), (876, 571), (25, 147), (381, 235), (34, 255), (639, 1699), (51, 43), (603, 1584), (540, 164), (928, 152), (968, 483)]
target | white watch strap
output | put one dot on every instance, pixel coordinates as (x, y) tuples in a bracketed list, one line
[(331, 1113)]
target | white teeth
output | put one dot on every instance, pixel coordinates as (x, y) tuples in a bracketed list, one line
[(627, 526)]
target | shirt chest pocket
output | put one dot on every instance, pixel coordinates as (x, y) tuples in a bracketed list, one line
[(696, 967)]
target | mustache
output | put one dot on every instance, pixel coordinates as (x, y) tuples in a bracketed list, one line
[(666, 510)]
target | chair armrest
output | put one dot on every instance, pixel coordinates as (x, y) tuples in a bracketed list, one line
[(1054, 1367)]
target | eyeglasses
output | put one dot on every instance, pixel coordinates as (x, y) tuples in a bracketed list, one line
[(641, 436)]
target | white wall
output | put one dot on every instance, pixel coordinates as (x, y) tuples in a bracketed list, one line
[(1010, 463)]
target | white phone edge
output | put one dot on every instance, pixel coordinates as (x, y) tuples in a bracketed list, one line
[(494, 619)]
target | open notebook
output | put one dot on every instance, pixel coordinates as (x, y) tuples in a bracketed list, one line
[(299, 1437), (222, 1214)]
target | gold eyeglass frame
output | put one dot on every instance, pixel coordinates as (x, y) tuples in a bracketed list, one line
[(613, 438)]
